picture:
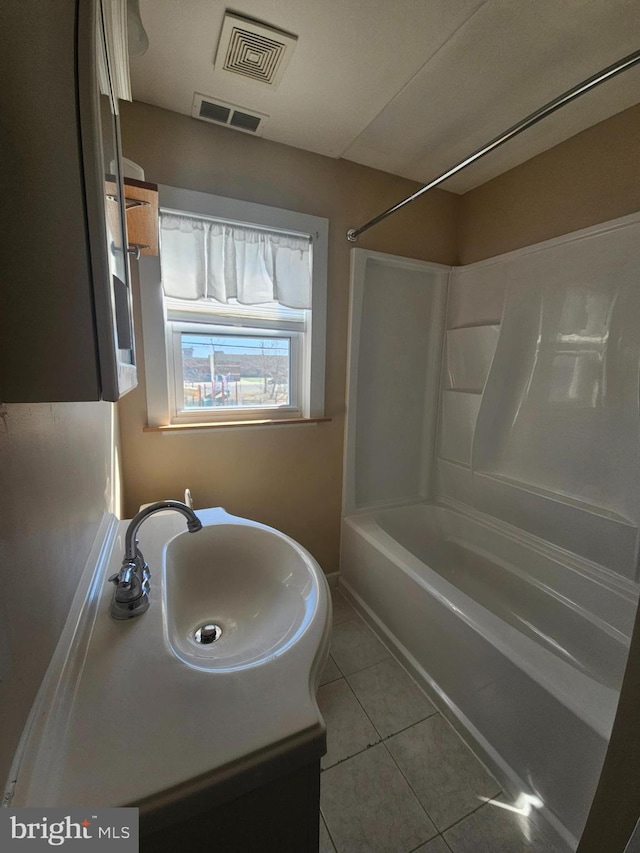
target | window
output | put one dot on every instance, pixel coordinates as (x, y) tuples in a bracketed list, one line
[(234, 312), (230, 363)]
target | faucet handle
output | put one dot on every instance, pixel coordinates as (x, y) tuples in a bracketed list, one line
[(123, 576), (130, 586)]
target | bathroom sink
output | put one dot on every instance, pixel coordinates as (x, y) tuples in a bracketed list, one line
[(214, 718), (236, 595)]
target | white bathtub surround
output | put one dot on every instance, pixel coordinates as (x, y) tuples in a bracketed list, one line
[(546, 438), (127, 722), (396, 339), (500, 559)]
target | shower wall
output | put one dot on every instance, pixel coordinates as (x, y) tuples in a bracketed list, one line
[(474, 314), (522, 503), (539, 421), (397, 321), (532, 417)]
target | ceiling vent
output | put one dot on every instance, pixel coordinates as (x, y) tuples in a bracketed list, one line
[(253, 50), (229, 115)]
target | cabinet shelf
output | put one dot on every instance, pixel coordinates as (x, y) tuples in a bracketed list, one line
[(130, 203), (141, 202)]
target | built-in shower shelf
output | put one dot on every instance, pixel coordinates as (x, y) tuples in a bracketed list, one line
[(462, 465), (558, 497), (455, 462), (477, 325), (463, 391)]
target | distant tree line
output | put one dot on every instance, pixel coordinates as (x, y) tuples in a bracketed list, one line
[(263, 365)]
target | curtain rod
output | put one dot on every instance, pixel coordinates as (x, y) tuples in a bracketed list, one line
[(575, 92), (248, 226)]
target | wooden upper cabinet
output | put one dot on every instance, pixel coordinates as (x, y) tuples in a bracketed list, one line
[(141, 201)]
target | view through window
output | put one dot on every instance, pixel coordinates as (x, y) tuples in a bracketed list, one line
[(235, 371)]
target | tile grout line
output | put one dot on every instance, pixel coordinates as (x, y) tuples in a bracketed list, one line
[(406, 728), (366, 749), (447, 828), (391, 653), (417, 798), (384, 739), (326, 826), (342, 675), (358, 618), (446, 843), (473, 811), (439, 835), (369, 746), (349, 757)]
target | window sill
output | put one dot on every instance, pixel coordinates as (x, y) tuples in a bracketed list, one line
[(171, 428)]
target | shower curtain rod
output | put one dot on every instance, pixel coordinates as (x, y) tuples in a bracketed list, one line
[(575, 92)]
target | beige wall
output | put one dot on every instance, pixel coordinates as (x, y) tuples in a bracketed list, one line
[(289, 477), (57, 463), (590, 178)]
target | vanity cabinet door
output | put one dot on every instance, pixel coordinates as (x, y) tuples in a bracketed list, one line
[(280, 816)]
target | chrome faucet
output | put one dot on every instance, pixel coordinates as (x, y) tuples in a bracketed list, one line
[(131, 597)]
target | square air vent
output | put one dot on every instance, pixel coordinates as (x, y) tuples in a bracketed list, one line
[(254, 51), (229, 115)]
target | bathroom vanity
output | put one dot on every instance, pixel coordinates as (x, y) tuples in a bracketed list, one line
[(215, 744), (281, 815)]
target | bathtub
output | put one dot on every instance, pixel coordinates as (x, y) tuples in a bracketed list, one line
[(521, 645)]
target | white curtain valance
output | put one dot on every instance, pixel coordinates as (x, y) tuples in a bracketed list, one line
[(204, 258)]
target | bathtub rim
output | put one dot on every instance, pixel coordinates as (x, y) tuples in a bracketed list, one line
[(581, 572), (590, 701), (581, 569), (613, 581)]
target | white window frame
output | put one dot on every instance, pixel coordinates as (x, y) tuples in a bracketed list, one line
[(157, 353), (180, 415)]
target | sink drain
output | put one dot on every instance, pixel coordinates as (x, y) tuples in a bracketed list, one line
[(207, 634)]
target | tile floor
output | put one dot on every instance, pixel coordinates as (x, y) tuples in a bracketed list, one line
[(396, 777)]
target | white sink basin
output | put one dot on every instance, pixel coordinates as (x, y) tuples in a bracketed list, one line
[(253, 583), (228, 713)]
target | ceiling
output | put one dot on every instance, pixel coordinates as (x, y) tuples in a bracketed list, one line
[(407, 86)]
